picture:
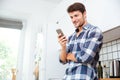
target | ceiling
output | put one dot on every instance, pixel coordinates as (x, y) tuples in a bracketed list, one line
[(53, 1), (23, 9)]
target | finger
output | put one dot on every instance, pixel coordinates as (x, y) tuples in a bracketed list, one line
[(63, 43), (68, 54), (59, 35), (64, 40), (68, 58), (61, 39)]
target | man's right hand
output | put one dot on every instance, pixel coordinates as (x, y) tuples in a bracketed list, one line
[(62, 40), (63, 55)]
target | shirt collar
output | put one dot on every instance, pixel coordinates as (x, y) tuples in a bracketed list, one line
[(85, 27)]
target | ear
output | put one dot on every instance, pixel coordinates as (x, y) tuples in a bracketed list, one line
[(84, 14)]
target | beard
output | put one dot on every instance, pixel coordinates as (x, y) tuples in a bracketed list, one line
[(80, 25)]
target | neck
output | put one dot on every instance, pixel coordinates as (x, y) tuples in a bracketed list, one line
[(80, 27)]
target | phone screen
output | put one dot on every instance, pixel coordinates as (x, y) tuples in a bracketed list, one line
[(59, 31)]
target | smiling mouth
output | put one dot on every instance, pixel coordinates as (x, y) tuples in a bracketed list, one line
[(75, 23)]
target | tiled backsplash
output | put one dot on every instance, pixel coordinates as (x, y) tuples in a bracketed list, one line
[(110, 51)]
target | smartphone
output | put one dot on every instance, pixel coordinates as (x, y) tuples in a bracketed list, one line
[(59, 31)]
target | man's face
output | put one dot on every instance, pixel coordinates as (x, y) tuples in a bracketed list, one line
[(77, 18)]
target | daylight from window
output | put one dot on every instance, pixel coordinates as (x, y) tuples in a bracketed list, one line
[(9, 43)]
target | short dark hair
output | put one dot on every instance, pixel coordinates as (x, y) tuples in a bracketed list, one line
[(76, 7)]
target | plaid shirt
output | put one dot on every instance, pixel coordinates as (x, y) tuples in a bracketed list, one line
[(86, 49)]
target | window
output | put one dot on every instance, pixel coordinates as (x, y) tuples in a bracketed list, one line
[(9, 42)]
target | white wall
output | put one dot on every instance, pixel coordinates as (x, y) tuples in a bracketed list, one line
[(103, 13)]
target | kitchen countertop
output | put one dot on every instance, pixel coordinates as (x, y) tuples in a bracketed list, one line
[(110, 79)]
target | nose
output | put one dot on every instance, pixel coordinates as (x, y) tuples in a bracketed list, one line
[(73, 19)]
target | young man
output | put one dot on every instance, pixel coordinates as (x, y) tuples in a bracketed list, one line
[(81, 49)]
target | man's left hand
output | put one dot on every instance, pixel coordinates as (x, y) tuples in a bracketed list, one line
[(71, 57)]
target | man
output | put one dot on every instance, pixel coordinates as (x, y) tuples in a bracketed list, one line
[(81, 49)]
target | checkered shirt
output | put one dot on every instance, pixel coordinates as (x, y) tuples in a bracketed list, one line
[(85, 47)]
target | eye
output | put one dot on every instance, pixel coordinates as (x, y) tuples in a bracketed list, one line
[(76, 15), (71, 17)]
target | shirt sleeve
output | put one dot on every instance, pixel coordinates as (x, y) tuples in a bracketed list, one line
[(91, 47)]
